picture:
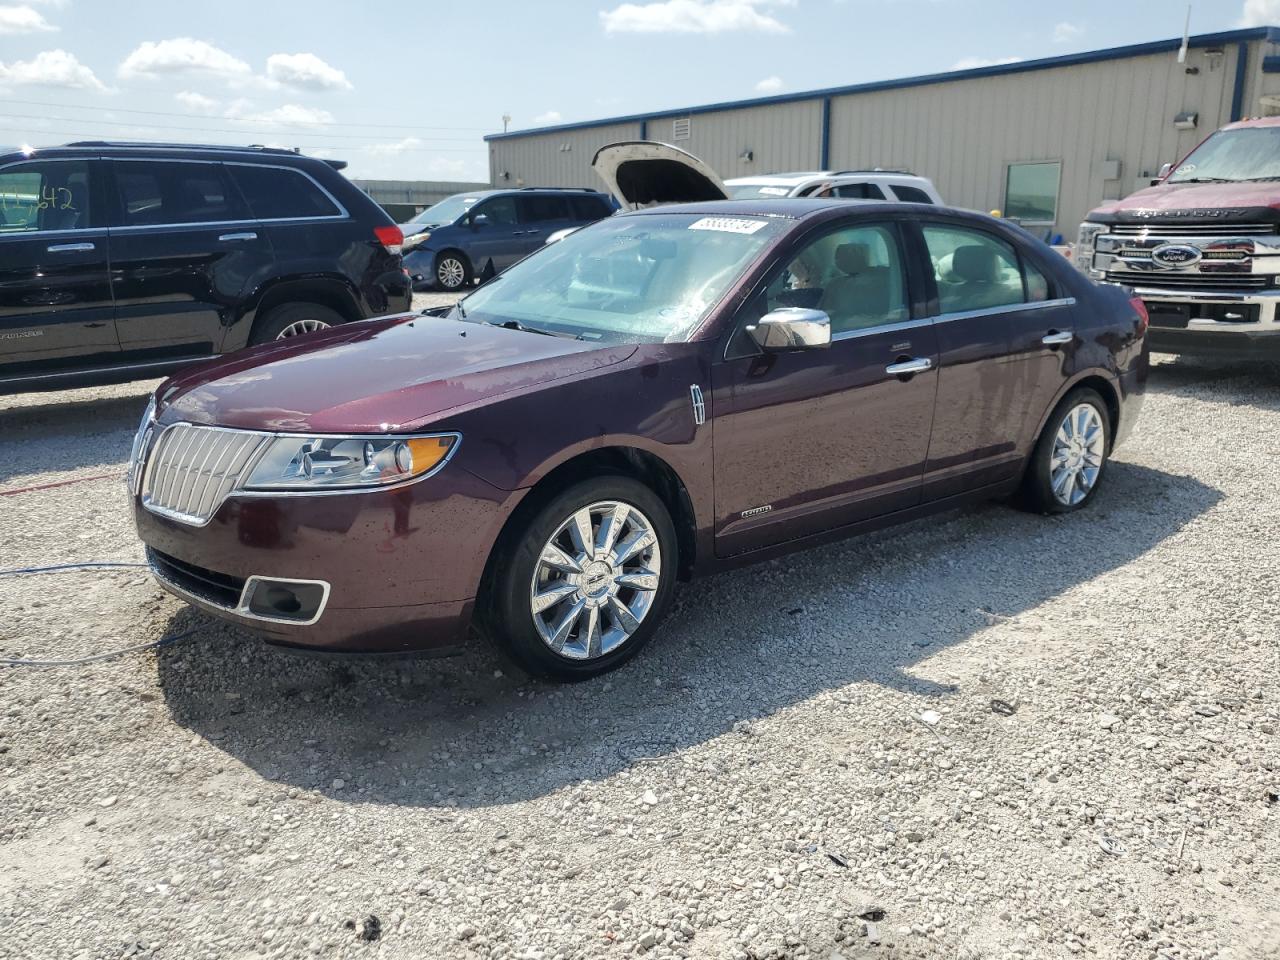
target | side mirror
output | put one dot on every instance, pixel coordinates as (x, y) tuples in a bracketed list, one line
[(480, 220), (791, 328), (1165, 170)]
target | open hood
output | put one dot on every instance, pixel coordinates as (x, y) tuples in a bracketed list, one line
[(645, 173)]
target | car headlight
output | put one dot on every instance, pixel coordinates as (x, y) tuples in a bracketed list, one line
[(1085, 240), (322, 463)]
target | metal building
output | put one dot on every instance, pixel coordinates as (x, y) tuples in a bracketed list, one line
[(1042, 140), (404, 198)]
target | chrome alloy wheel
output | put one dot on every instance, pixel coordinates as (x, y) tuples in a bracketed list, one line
[(595, 580), (1078, 450), (451, 273), (301, 326)]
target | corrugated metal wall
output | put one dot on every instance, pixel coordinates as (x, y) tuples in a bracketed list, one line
[(962, 133)]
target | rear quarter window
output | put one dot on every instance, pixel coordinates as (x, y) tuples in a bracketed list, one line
[(910, 194), (279, 193), (586, 209)]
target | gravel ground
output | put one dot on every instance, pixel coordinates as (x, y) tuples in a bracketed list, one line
[(996, 735)]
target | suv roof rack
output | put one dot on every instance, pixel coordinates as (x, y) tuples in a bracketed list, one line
[(226, 147), (902, 170), (576, 189)]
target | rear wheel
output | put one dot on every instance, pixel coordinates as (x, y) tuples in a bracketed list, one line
[(1070, 457), (453, 271), (294, 319), (584, 584)]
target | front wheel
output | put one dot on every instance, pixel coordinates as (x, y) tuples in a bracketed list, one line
[(1070, 457), (452, 271), (583, 586)]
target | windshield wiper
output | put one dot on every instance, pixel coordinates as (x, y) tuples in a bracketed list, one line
[(517, 325), (1206, 180), (1258, 179)]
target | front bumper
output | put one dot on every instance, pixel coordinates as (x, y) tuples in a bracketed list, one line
[(1207, 330), (400, 568)]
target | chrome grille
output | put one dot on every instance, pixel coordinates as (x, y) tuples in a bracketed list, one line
[(1191, 281), (194, 468), (1225, 230)]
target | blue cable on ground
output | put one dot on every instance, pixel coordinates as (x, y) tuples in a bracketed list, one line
[(66, 567)]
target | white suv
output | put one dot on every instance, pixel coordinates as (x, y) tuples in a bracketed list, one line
[(849, 184)]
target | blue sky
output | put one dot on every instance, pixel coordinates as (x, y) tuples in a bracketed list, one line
[(407, 90)]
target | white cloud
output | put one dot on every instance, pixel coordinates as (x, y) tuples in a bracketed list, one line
[(23, 19), (197, 102), (1260, 13), (51, 68), (1066, 32), (693, 16), (393, 149), (290, 114), (305, 70), (181, 55), (551, 116), (972, 63), (769, 85)]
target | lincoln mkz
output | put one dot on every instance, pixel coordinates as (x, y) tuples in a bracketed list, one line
[(663, 394)]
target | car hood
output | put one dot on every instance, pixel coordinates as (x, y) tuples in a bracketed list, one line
[(385, 375), (645, 173), (1222, 202)]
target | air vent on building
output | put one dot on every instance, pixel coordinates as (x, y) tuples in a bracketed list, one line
[(680, 129)]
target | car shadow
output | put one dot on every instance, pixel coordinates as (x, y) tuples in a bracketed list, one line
[(88, 432), (473, 732)]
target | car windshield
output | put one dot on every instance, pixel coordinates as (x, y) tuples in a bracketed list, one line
[(649, 278), (1249, 153), (755, 191), (447, 210)]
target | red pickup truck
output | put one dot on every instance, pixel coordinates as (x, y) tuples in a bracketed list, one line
[(1201, 247)]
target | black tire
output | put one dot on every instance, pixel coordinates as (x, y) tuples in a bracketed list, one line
[(279, 320), (453, 270), (1037, 493), (509, 618)]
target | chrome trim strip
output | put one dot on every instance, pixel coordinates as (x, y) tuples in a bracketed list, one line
[(63, 374), (69, 247), (883, 328), (242, 608), (948, 317)]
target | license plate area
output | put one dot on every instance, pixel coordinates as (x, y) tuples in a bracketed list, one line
[(1179, 315)]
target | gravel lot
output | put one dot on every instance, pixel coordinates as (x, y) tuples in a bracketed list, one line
[(806, 763)]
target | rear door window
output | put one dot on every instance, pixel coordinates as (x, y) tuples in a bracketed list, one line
[(164, 192), (586, 209), (974, 270), (281, 193), (540, 209), (910, 194), (45, 195)]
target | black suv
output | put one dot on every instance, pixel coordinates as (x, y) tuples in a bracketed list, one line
[(124, 261)]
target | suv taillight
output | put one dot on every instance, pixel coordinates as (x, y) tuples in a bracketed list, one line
[(390, 237), (1140, 309)]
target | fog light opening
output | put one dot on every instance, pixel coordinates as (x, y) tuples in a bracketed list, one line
[(292, 601)]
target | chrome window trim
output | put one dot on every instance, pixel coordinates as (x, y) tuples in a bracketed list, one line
[(882, 328), (76, 231), (252, 463), (342, 214), (949, 317)]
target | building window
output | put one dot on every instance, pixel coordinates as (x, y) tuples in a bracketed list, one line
[(1031, 192), (680, 129)]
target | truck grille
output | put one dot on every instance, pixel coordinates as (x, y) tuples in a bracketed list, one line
[(194, 468), (1224, 230), (1191, 281)]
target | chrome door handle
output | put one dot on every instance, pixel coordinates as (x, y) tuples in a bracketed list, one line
[(228, 237), (70, 247), (1056, 337), (908, 367)]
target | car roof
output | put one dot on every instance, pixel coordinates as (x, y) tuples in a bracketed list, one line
[(789, 179), (110, 148)]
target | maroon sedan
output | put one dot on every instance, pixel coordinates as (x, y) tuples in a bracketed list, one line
[(661, 395)]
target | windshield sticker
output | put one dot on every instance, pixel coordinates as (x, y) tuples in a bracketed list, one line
[(774, 191), (728, 225)]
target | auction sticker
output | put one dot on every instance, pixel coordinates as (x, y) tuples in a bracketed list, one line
[(728, 224)]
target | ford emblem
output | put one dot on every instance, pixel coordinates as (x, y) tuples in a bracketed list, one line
[(1175, 255)]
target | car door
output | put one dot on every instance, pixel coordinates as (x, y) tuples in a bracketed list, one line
[(982, 318), (540, 215), (493, 225), (55, 293), (183, 246), (812, 440)]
